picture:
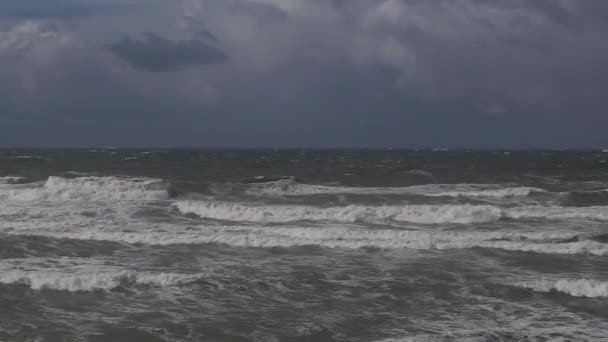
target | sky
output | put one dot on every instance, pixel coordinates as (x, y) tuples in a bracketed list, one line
[(304, 73)]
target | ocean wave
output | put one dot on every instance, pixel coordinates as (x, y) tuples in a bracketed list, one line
[(337, 237), (85, 277), (557, 213), (573, 287), (91, 188), (10, 180), (422, 214), (94, 281), (290, 187)]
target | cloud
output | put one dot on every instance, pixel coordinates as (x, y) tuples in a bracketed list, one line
[(158, 54), (59, 11), (332, 72)]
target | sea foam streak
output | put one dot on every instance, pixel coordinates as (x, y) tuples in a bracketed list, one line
[(422, 214), (289, 187), (574, 287), (91, 188)]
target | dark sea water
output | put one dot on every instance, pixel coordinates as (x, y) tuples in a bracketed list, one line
[(117, 245)]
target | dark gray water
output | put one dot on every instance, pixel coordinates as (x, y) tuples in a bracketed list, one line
[(116, 245)]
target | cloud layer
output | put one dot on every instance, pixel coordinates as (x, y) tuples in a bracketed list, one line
[(365, 73)]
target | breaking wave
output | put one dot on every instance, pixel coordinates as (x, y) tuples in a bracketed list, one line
[(10, 180), (290, 187), (573, 287), (87, 277), (338, 237), (423, 214), (93, 281), (91, 188)]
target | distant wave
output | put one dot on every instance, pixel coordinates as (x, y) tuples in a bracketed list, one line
[(574, 287), (91, 188), (290, 187), (337, 237), (423, 214)]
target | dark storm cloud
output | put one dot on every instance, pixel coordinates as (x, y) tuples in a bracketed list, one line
[(158, 54)]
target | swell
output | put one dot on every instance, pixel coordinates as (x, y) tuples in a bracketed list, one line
[(585, 198)]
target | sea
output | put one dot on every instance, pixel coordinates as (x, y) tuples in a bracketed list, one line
[(110, 245)]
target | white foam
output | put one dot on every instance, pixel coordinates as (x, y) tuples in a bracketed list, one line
[(87, 276), (91, 188), (289, 187), (423, 214), (574, 287)]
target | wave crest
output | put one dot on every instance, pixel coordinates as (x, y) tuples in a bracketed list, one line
[(424, 214), (92, 188), (10, 180), (291, 187), (574, 287), (105, 280), (343, 238)]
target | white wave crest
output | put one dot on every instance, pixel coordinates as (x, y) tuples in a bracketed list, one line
[(574, 287), (505, 192), (599, 213), (88, 276), (10, 179), (289, 187), (425, 214), (91, 188), (422, 214), (333, 237)]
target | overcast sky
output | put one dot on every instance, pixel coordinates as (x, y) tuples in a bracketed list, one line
[(304, 73)]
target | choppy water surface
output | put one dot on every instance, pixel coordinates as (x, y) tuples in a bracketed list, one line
[(116, 245)]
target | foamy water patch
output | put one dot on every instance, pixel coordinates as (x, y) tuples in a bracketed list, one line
[(574, 287)]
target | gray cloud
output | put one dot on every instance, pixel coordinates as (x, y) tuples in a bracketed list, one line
[(61, 12), (158, 54), (459, 73)]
